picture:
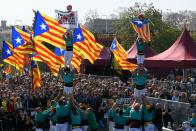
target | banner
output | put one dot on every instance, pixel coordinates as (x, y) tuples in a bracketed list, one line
[(67, 19)]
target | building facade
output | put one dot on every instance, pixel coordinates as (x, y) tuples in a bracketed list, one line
[(101, 26)]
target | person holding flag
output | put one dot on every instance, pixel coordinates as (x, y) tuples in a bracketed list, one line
[(68, 38)]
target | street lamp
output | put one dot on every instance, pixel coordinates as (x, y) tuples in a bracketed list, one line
[(106, 23)]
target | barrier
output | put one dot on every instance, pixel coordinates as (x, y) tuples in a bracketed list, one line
[(180, 111)]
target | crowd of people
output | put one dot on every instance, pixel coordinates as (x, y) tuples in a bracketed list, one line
[(19, 102)]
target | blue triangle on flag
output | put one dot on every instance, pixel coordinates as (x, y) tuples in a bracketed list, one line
[(78, 35), (6, 52), (40, 25), (59, 52), (17, 39), (114, 45), (33, 64)]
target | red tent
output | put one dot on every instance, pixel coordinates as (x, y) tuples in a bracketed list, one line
[(182, 54), (132, 52), (103, 59)]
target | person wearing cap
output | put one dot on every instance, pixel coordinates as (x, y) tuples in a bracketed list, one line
[(148, 115), (135, 117), (62, 114), (68, 38), (139, 79), (68, 76), (40, 118)]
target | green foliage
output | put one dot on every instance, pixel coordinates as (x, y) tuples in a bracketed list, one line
[(193, 35), (162, 34)]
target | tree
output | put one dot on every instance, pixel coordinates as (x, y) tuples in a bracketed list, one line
[(163, 34), (175, 19), (178, 19), (193, 35), (91, 15)]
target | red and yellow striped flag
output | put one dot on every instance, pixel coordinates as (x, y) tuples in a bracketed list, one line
[(53, 62), (77, 60), (84, 42), (142, 28), (120, 57), (48, 29), (22, 42), (18, 58), (36, 76)]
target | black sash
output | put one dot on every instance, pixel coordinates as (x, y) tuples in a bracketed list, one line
[(118, 126), (69, 84), (69, 48), (140, 52), (62, 120), (140, 87), (134, 123), (40, 124)]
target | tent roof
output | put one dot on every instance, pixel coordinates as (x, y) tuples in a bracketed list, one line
[(148, 51), (182, 54), (103, 59)]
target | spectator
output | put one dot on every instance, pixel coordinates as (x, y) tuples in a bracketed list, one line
[(165, 95), (158, 118), (175, 96), (167, 116), (183, 97), (18, 104)]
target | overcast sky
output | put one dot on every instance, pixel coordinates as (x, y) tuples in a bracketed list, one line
[(20, 11)]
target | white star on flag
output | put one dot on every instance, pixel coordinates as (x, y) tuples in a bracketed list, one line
[(18, 40), (61, 50), (8, 52), (113, 45), (138, 22), (43, 26), (79, 37)]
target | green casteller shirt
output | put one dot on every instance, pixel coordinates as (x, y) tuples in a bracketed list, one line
[(76, 118), (69, 41), (40, 116), (92, 121), (63, 110), (127, 111), (111, 113), (193, 122), (140, 47), (53, 117), (135, 115), (148, 116), (68, 77), (83, 115), (140, 79), (120, 119)]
